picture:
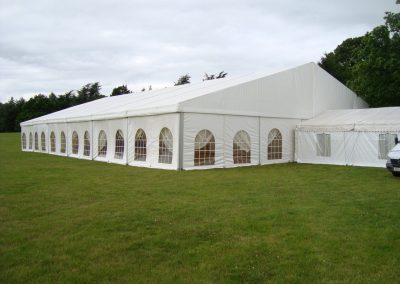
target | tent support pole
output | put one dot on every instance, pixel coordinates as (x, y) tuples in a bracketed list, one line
[(92, 141), (259, 140), (127, 141), (181, 129)]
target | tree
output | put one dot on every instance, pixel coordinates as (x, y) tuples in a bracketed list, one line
[(89, 92), (370, 65), (221, 74), (182, 80), (340, 62), (120, 90), (12, 113)]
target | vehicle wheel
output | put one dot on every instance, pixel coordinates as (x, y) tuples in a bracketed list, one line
[(396, 174)]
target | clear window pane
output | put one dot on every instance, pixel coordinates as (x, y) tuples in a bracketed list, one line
[(23, 140), (241, 148), (52, 142), (102, 145), (86, 144), (75, 143), (63, 143), (30, 141), (204, 148), (43, 141), (165, 146), (119, 145), (36, 141), (274, 145), (140, 145)]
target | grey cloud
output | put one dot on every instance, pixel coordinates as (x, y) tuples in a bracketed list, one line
[(57, 46)]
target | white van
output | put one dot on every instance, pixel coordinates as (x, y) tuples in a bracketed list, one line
[(393, 162)]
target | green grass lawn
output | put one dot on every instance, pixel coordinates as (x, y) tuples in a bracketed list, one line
[(76, 221)]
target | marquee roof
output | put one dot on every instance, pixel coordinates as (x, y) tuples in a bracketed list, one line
[(373, 119), (301, 93)]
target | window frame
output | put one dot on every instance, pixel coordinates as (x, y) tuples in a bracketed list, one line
[(241, 156), (386, 144), (30, 145), (36, 141), (43, 142), (324, 145), (63, 143), (86, 144), (102, 152), (165, 152), (119, 148), (204, 155), (75, 143), (23, 140), (52, 142), (274, 145), (140, 145)]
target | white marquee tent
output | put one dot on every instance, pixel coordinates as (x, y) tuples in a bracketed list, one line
[(360, 137), (227, 122)]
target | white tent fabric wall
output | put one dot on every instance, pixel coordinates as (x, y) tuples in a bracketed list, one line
[(352, 148), (354, 136), (110, 127), (39, 129), (80, 128), (232, 126), (286, 127), (224, 128), (57, 128), (193, 123), (152, 126), (307, 144), (27, 131)]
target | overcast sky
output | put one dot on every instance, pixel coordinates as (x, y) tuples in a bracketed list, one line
[(56, 46)]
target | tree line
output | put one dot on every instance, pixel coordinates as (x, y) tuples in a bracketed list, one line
[(13, 112), (370, 64)]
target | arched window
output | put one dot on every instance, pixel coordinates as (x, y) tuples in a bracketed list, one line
[(23, 140), (52, 142), (86, 144), (119, 145), (102, 147), (241, 148), (75, 143), (140, 145), (204, 148), (165, 146), (30, 140), (36, 141), (274, 145), (63, 143), (43, 141)]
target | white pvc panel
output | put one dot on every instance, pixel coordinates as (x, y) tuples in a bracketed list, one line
[(286, 127), (347, 148), (306, 149), (110, 127), (57, 128), (39, 129), (193, 123), (231, 126), (152, 126), (26, 130), (80, 128)]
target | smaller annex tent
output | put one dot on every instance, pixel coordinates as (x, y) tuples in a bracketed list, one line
[(359, 137)]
